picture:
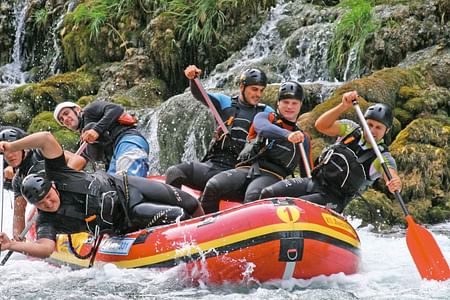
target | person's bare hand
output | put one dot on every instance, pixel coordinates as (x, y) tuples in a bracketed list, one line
[(296, 137), (192, 72)]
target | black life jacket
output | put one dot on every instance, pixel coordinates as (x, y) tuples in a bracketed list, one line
[(344, 167), (278, 156), (92, 198), (224, 149)]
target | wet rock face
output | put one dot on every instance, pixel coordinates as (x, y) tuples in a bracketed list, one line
[(6, 30), (405, 28)]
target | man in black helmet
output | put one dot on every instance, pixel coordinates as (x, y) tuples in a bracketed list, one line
[(70, 201), (237, 113), (347, 167), (271, 154), (20, 164)]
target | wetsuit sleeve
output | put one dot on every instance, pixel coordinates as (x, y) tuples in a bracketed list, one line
[(268, 108), (376, 170), (45, 228), (104, 114), (267, 129), (219, 101), (16, 184), (346, 126)]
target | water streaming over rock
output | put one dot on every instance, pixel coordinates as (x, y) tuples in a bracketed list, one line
[(12, 72)]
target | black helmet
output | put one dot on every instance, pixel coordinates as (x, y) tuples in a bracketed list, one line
[(11, 134), (381, 113), (290, 90), (35, 187), (253, 77)]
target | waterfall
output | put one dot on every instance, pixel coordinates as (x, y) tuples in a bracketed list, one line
[(56, 60), (12, 73), (265, 43), (302, 56), (150, 131), (351, 65)]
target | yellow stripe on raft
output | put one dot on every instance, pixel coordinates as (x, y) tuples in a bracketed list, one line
[(235, 238)]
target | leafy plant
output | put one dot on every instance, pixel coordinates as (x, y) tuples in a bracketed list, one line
[(97, 13), (41, 18), (200, 24), (351, 33)]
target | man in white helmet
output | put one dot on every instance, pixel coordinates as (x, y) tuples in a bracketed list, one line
[(111, 134)]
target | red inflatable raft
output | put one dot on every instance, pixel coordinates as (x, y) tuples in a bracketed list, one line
[(277, 238)]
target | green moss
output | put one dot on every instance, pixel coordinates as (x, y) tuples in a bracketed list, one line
[(85, 100), (433, 130), (270, 95), (45, 122), (44, 96), (403, 116), (11, 117), (407, 92), (374, 208)]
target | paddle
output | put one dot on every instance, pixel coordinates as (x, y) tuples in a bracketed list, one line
[(211, 106), (21, 236), (31, 222), (305, 160), (424, 250), (81, 149)]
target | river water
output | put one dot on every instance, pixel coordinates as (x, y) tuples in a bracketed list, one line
[(387, 272)]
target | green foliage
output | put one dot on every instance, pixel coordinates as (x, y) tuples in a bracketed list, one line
[(45, 122), (351, 33), (97, 13), (40, 18), (202, 22)]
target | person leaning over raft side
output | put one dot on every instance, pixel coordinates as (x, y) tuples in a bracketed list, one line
[(113, 139), (22, 163), (70, 201), (330, 184), (271, 154), (238, 114)]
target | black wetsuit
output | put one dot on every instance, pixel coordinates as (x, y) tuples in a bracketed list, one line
[(102, 116), (270, 160), (148, 202), (320, 190), (224, 149)]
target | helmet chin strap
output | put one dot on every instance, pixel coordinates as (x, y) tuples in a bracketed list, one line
[(78, 114), (243, 95)]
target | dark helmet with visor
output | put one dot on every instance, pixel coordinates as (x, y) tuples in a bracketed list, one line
[(290, 90), (253, 77), (381, 113), (35, 187)]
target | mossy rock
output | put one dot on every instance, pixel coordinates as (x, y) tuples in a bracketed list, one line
[(422, 151), (407, 92), (149, 94), (374, 208), (404, 116), (270, 95), (45, 95), (45, 122), (85, 100)]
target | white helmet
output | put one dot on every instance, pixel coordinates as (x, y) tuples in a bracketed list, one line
[(60, 107)]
